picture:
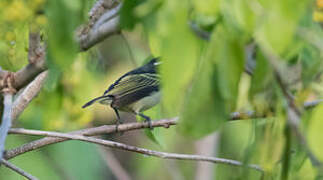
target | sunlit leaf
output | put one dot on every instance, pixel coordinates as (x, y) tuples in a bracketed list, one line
[(277, 26), (262, 76), (204, 109), (215, 87), (63, 19), (240, 12), (314, 131), (179, 49), (128, 19), (228, 56)]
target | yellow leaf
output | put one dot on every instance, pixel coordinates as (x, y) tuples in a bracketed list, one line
[(318, 16)]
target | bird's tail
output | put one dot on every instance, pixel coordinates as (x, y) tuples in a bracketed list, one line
[(106, 99)]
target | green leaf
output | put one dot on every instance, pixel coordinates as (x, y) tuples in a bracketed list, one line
[(207, 7), (228, 56), (179, 49), (240, 13), (128, 18), (204, 110), (262, 76), (314, 132), (277, 25), (63, 18), (155, 134), (311, 64), (215, 89)]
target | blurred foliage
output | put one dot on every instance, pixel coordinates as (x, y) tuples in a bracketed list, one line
[(202, 82)]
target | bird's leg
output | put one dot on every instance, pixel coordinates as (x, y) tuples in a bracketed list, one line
[(147, 119), (119, 121)]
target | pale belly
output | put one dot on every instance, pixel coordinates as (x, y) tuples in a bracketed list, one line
[(146, 103)]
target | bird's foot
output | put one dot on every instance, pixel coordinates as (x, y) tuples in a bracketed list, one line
[(147, 119)]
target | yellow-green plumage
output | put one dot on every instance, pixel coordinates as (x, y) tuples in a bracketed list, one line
[(135, 91)]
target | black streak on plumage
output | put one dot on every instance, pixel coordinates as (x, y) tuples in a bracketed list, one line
[(143, 69)]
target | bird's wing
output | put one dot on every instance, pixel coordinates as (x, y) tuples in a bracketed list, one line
[(132, 83)]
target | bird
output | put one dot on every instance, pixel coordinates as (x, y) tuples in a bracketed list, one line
[(135, 91)]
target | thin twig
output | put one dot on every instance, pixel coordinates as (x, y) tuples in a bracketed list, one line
[(106, 129), (147, 152), (131, 55), (293, 113), (18, 170), (6, 121), (28, 94)]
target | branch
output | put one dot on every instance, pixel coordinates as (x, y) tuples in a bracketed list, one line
[(18, 170), (125, 147), (107, 25), (106, 129), (36, 58), (293, 113), (6, 121), (29, 93), (34, 47)]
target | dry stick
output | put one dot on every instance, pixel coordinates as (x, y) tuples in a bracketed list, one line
[(28, 94), (6, 121), (18, 170), (147, 152)]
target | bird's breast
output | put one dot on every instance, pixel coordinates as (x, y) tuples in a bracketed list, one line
[(146, 102)]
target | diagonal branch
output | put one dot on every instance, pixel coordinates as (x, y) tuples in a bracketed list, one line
[(18, 170), (293, 113), (148, 152), (105, 26), (28, 94)]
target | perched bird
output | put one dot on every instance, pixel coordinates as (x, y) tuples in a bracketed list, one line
[(135, 91)]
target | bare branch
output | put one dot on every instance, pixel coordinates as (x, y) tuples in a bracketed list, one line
[(293, 113), (106, 129), (99, 8), (147, 152), (34, 47), (107, 25), (18, 170), (6, 121), (36, 64), (29, 93)]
